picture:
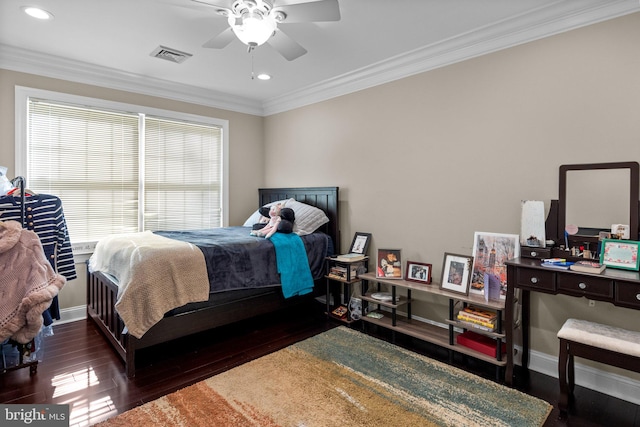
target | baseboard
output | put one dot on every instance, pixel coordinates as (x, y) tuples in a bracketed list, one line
[(614, 385), (72, 314)]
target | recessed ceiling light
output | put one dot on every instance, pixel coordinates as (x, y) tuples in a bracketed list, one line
[(36, 12), (264, 76)]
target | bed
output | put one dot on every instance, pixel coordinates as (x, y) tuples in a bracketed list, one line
[(222, 308)]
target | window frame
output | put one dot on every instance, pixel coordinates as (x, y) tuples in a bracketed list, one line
[(22, 95)]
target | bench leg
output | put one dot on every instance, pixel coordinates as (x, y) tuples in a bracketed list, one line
[(564, 361)]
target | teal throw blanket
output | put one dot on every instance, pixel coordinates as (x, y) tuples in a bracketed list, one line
[(293, 264)]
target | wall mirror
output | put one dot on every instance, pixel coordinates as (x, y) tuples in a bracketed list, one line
[(594, 196)]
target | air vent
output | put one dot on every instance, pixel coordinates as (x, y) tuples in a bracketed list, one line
[(169, 54)]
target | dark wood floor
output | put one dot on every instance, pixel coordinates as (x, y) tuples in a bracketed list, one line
[(80, 369)]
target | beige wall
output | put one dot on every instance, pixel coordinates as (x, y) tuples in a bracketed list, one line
[(424, 162), (246, 151)]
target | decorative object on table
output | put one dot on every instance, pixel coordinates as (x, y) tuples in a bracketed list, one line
[(588, 267), (384, 296), (620, 254), (490, 252), (360, 243), (532, 224), (340, 311), (456, 273), (620, 231), (418, 272), (389, 264), (327, 378)]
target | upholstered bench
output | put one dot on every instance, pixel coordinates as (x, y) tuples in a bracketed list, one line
[(601, 343)]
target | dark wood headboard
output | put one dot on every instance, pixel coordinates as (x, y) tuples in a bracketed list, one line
[(325, 198)]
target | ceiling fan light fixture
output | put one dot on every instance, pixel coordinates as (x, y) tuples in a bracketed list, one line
[(255, 29), (38, 13)]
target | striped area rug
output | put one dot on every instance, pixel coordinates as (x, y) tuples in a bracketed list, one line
[(341, 377)]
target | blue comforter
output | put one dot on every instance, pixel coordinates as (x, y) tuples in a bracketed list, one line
[(237, 260)]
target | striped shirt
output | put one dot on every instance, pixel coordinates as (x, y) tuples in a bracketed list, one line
[(44, 216)]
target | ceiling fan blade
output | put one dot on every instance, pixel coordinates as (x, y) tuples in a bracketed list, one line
[(314, 11), (220, 4), (286, 46), (221, 40)]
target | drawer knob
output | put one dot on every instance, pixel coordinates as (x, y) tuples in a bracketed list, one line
[(638, 297), (534, 253), (534, 280), (582, 285)]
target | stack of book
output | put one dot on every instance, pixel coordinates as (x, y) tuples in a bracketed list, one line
[(480, 318), (340, 272), (588, 267)]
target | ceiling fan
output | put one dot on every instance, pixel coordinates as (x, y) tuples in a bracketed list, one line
[(255, 22)]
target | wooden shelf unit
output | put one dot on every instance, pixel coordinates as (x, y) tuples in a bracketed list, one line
[(401, 291), (345, 292)]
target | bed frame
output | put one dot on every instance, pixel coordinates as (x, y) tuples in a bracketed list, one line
[(102, 291)]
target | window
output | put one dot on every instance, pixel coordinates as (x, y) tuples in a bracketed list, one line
[(121, 168)]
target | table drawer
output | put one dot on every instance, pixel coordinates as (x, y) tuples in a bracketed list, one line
[(537, 280), (628, 294), (537, 253), (582, 285)]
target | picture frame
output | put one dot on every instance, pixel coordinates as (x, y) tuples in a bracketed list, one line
[(456, 273), (621, 254), (360, 243), (418, 272), (389, 264), (490, 252)]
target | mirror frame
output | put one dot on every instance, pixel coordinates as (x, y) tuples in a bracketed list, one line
[(634, 172)]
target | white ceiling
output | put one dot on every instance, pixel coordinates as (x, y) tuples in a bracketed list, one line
[(108, 43)]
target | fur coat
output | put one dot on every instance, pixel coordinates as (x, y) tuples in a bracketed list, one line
[(27, 283)]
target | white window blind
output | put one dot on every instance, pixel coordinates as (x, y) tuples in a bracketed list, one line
[(182, 175), (121, 172)]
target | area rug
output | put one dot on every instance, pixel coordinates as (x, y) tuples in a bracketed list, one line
[(341, 377)]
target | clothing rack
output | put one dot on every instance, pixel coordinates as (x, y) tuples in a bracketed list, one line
[(30, 347)]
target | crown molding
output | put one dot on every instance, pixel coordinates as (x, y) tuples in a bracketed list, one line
[(51, 66), (545, 21), (557, 17)]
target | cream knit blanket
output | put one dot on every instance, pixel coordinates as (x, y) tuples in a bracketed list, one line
[(155, 274)]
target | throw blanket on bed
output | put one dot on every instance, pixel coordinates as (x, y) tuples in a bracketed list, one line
[(27, 283), (155, 274), (293, 264)]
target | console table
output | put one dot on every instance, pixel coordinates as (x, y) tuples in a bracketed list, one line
[(619, 287)]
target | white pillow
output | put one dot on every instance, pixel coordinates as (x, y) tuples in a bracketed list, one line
[(308, 218), (255, 217)]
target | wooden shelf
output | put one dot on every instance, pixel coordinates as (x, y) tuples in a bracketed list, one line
[(443, 337), (434, 288), (429, 333)]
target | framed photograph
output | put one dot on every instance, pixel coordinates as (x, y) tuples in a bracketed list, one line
[(389, 264), (456, 273), (490, 252), (360, 244), (620, 254), (418, 272)]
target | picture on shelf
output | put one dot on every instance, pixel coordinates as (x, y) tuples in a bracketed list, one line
[(360, 243), (418, 272), (456, 273), (620, 254), (389, 264), (489, 273)]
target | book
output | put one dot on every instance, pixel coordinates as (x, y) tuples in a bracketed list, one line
[(557, 265), (554, 260), (588, 267), (352, 257), (480, 312), (486, 324)]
